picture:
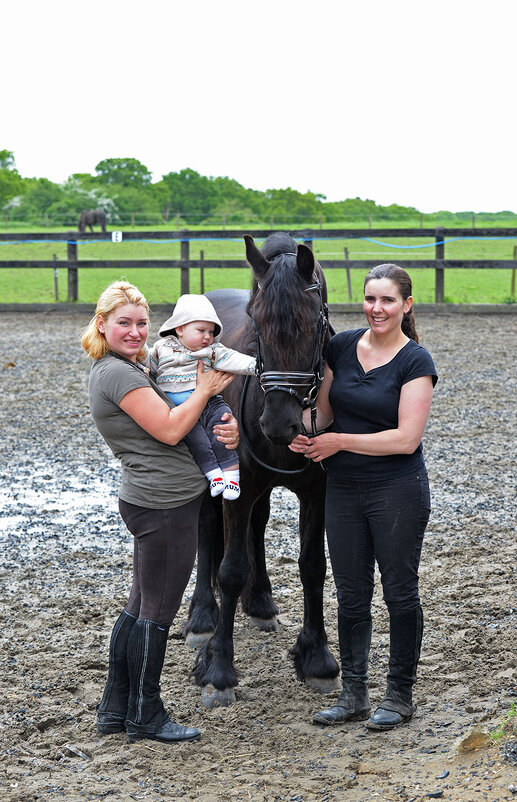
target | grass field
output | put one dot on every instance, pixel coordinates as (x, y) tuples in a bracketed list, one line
[(20, 285)]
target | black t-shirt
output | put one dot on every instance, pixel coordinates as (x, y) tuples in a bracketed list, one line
[(363, 403)]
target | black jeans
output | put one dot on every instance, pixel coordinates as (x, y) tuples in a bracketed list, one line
[(165, 544), (383, 521), (203, 444)]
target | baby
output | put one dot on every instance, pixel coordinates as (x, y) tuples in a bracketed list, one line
[(190, 334)]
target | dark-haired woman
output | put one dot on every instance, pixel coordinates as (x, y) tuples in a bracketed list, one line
[(376, 393)]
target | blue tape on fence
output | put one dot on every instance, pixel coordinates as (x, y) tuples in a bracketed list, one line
[(106, 241), (432, 244), (51, 241)]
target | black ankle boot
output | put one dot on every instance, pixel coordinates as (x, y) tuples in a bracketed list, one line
[(405, 641), (354, 646), (146, 715), (112, 710)]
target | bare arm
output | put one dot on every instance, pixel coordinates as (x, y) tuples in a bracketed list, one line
[(171, 425), (414, 406)]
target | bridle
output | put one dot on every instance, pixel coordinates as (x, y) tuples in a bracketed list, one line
[(301, 385)]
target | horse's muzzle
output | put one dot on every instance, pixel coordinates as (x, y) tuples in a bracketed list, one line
[(281, 422)]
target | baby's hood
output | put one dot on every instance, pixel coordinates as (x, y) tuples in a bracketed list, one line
[(189, 308)]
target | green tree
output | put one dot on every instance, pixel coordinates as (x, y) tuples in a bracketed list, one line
[(351, 209), (11, 185), (237, 204), (7, 160), (191, 195), (37, 199), (85, 180), (161, 199), (137, 201), (125, 172), (78, 193), (289, 205), (395, 212)]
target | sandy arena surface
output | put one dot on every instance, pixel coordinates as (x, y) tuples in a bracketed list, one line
[(65, 572)]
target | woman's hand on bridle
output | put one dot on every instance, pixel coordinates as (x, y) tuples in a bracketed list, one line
[(316, 448), (299, 444)]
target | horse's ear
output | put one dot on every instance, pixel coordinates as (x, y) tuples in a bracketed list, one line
[(305, 262), (258, 262)]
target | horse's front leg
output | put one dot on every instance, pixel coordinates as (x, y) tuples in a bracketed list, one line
[(313, 662), (214, 670), (257, 598), (203, 610)]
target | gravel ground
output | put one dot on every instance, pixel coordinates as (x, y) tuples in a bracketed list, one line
[(65, 573)]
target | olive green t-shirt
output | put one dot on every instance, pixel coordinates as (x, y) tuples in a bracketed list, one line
[(154, 474)]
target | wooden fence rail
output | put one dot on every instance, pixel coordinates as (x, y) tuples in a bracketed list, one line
[(185, 263)]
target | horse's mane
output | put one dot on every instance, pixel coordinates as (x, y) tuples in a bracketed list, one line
[(283, 311)]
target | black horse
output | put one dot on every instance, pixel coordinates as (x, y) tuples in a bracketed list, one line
[(284, 321), (90, 218)]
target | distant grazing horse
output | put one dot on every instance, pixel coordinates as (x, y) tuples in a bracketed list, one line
[(91, 218), (284, 321)]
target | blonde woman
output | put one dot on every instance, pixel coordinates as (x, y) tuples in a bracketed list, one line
[(159, 500)]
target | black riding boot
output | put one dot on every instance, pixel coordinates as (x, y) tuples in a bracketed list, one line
[(405, 640), (146, 715), (112, 710), (355, 636)]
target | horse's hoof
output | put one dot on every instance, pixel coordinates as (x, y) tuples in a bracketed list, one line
[(197, 639), (324, 684), (264, 624), (210, 696)]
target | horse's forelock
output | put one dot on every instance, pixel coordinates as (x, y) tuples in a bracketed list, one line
[(285, 315)]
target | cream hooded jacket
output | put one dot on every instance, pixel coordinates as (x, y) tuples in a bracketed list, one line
[(176, 366)]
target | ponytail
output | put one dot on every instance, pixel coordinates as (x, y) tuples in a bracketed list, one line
[(408, 325)]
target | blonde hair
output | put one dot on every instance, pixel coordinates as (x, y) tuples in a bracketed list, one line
[(117, 294)]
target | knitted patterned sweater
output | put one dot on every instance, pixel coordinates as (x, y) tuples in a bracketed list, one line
[(176, 367)]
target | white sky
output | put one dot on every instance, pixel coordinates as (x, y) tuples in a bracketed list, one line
[(399, 101)]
